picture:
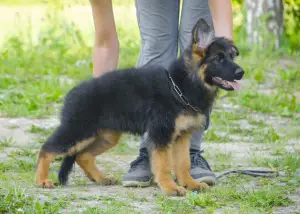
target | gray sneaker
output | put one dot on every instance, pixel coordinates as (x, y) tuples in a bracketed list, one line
[(200, 169), (139, 174)]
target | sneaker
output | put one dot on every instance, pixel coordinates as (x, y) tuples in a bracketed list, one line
[(200, 169), (139, 174)]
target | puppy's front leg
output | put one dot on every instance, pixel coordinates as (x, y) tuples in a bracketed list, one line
[(161, 168), (182, 164)]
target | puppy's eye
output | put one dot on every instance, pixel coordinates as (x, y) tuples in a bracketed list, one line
[(219, 58), (231, 56)]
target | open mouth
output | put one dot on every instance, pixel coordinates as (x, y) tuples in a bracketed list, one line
[(225, 84)]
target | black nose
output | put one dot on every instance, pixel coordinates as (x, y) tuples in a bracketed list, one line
[(239, 72)]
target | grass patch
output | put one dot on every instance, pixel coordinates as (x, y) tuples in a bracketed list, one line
[(242, 198), (37, 75), (39, 130), (233, 194), (17, 200), (6, 141), (260, 135), (108, 204), (168, 205), (281, 102), (290, 162), (212, 136)]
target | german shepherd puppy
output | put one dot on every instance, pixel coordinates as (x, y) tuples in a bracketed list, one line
[(164, 106)]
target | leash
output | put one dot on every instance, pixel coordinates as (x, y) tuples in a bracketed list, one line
[(255, 173)]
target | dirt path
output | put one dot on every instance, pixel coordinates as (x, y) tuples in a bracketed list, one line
[(144, 200)]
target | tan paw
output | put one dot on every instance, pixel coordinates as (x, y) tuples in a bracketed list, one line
[(198, 186), (108, 181), (177, 191), (46, 183)]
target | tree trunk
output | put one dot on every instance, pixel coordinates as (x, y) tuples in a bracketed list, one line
[(264, 22)]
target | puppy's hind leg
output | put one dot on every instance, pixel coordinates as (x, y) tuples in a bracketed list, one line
[(46, 155), (86, 159), (58, 143), (43, 163)]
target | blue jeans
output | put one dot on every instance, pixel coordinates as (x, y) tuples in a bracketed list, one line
[(161, 30)]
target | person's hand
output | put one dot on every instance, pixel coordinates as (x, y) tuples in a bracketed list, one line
[(221, 12)]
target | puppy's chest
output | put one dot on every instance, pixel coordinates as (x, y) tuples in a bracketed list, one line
[(188, 123)]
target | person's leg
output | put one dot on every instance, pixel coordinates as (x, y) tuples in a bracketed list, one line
[(192, 10), (106, 47), (158, 24)]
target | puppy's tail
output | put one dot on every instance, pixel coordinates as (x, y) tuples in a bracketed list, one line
[(65, 169)]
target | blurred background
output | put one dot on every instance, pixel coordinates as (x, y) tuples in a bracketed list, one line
[(46, 46)]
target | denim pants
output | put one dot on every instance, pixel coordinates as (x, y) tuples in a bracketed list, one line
[(164, 34)]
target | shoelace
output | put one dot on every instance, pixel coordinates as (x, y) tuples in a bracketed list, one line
[(139, 159), (197, 159)]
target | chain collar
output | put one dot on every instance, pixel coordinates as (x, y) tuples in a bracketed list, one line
[(181, 96)]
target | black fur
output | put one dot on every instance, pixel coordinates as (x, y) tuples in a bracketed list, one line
[(139, 100), (65, 169)]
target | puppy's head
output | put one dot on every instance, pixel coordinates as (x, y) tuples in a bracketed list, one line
[(211, 58)]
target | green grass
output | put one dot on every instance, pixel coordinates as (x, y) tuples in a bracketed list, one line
[(6, 141), (289, 162), (17, 200), (37, 75), (39, 130), (232, 194), (281, 102)]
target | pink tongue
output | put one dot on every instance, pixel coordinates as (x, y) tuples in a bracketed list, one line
[(235, 85)]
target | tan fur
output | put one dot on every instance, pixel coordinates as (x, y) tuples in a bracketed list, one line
[(80, 146), (181, 163), (161, 168), (201, 72), (87, 162), (105, 140), (186, 123), (86, 159), (197, 53), (86, 151), (43, 163)]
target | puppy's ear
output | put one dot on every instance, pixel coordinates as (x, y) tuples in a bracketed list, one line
[(203, 35), (235, 50)]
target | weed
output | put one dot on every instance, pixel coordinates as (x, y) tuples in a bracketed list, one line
[(81, 181), (14, 164), (281, 102), (40, 130), (290, 162), (267, 198), (23, 152), (109, 205), (6, 141), (168, 205), (202, 200), (16, 200), (212, 136), (236, 192)]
